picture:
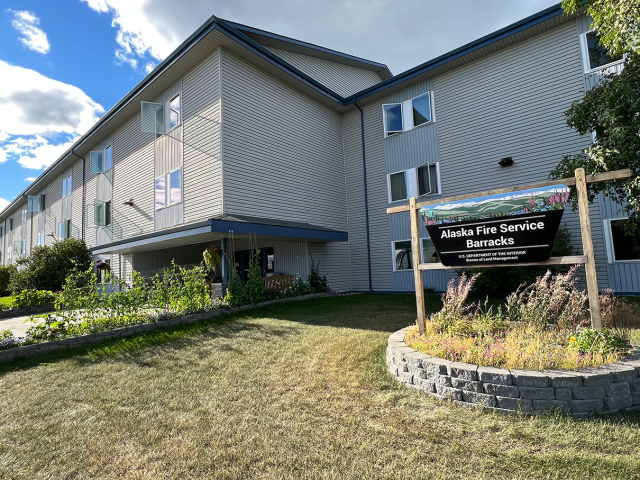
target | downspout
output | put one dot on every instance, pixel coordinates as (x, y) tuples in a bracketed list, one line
[(84, 161), (366, 197)]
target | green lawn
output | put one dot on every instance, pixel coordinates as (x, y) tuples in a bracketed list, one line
[(297, 390), (6, 302)]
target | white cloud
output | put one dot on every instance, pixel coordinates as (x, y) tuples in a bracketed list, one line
[(399, 34), (149, 66), (29, 179), (3, 204), (40, 116), (32, 37)]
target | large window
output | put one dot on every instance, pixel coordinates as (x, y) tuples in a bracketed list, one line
[(392, 114), (428, 179), (596, 56), (168, 189), (623, 247), (398, 186)]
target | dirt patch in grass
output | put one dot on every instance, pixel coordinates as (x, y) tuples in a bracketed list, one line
[(295, 390)]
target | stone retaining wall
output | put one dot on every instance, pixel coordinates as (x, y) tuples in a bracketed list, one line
[(26, 351), (609, 389)]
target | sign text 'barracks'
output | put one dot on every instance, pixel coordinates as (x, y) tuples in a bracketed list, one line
[(514, 227)]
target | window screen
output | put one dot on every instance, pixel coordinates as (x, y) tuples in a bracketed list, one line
[(427, 179), (402, 255), (398, 185), (598, 55), (625, 247), (421, 109), (392, 118)]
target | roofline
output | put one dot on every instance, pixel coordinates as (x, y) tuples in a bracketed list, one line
[(265, 33), (470, 47), (227, 28)]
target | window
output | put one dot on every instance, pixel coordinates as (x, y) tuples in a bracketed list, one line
[(23, 247), (421, 109), (596, 56), (623, 247), (66, 186), (429, 254), (24, 216), (428, 179), (402, 255), (35, 203), (392, 114), (174, 112), (41, 238), (64, 229), (398, 186), (161, 192), (168, 189), (102, 213), (11, 224), (101, 161), (9, 253)]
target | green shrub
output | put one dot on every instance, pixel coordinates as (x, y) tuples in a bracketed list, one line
[(317, 282), (236, 292), (33, 298), (48, 266), (504, 280), (255, 285), (597, 342), (6, 272), (297, 287)]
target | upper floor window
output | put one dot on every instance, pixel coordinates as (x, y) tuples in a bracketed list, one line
[(35, 203), (168, 189), (64, 229), (66, 186), (159, 118), (405, 116), (11, 224), (174, 112), (102, 213), (414, 182), (392, 114), (596, 57), (101, 161), (24, 216), (41, 238)]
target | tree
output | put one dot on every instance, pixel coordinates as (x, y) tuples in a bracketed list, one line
[(611, 110), (47, 267), (617, 22)]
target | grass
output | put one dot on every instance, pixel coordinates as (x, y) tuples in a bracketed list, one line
[(296, 390), (6, 302)]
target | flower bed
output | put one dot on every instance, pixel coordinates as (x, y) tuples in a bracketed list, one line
[(540, 327)]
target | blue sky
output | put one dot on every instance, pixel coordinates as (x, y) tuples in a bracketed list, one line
[(63, 63)]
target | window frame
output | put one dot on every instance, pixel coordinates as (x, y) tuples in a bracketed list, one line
[(384, 120), (168, 109), (167, 189), (24, 216), (393, 253), (608, 234), (432, 113), (439, 192), (586, 63), (406, 184), (66, 185)]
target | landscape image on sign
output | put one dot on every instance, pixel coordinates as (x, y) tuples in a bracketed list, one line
[(522, 202)]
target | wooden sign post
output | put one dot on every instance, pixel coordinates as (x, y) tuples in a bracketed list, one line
[(580, 181)]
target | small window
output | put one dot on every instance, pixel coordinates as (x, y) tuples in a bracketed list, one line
[(392, 114), (11, 224), (35, 203), (24, 216), (175, 187), (428, 180), (107, 158), (23, 247), (95, 158), (625, 247), (402, 255), (107, 213), (161, 192), (429, 254), (421, 107), (9, 251), (398, 186), (174, 111), (597, 55), (66, 186), (102, 213), (41, 238), (64, 229)]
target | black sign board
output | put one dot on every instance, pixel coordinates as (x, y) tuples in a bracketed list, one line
[(517, 227)]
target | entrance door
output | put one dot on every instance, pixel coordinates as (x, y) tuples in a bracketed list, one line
[(242, 259)]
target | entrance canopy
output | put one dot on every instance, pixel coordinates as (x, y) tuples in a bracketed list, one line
[(224, 226)]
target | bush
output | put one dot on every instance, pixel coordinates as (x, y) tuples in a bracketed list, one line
[(317, 282), (33, 298), (48, 266), (504, 280), (5, 277), (252, 292)]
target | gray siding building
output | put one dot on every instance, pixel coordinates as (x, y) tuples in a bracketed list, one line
[(247, 139)]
